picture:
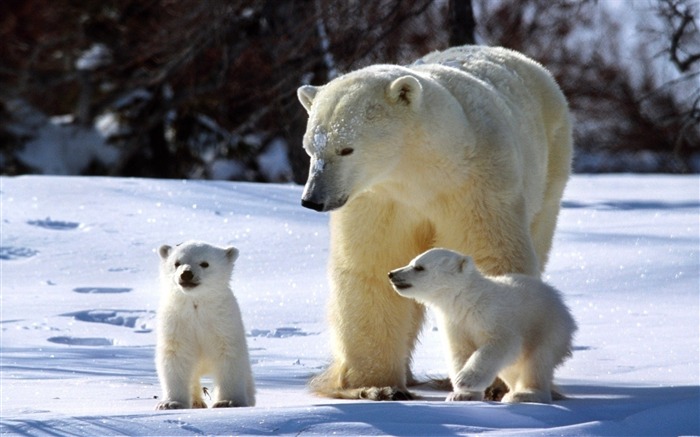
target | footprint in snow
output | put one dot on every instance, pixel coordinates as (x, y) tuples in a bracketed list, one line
[(54, 225), (101, 290), (9, 253), (82, 341), (139, 320), (278, 333)]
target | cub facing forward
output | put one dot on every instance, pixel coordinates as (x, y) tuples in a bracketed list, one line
[(200, 330), (512, 326)]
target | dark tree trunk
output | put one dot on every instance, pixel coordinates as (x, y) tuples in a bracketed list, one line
[(461, 22)]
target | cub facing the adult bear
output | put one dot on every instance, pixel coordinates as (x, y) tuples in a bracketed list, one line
[(469, 149), (200, 330), (512, 326)]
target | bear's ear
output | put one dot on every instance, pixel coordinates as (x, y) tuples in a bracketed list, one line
[(232, 253), (164, 251), (306, 95), (406, 90)]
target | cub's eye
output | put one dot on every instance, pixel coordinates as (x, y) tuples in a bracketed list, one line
[(418, 268), (177, 264), (204, 265), (346, 151)]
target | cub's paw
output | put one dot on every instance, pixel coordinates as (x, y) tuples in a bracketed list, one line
[(496, 391), (536, 396), (170, 405), (469, 380), (227, 404), (465, 396)]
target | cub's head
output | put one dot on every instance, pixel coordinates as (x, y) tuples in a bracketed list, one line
[(193, 266), (358, 124), (432, 273)]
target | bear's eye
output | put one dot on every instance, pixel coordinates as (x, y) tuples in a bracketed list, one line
[(346, 151), (204, 264), (177, 264), (418, 268)]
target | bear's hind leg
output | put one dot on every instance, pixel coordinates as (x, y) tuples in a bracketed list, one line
[(558, 173), (534, 383)]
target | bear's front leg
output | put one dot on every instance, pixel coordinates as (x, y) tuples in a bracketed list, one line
[(374, 330)]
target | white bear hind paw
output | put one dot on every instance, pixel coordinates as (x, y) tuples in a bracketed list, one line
[(465, 396)]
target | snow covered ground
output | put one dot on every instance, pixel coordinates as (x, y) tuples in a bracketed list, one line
[(79, 271)]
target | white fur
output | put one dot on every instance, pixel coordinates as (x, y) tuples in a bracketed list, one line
[(200, 330), (512, 326), (469, 149)]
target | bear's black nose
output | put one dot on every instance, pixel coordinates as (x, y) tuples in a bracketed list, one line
[(391, 275), (186, 275), (312, 205)]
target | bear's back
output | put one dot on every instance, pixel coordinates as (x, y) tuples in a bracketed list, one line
[(511, 74)]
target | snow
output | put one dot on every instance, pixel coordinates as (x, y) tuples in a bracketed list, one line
[(97, 56), (61, 147), (79, 268), (274, 162), (320, 142)]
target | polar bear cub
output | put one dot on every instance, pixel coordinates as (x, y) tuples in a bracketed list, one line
[(512, 326), (200, 330)]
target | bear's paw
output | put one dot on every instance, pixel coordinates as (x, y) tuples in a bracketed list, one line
[(457, 396), (170, 405), (228, 404), (384, 394)]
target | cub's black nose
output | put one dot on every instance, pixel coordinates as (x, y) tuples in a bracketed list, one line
[(391, 275), (312, 205), (186, 275)]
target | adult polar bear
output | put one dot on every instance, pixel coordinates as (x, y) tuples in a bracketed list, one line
[(468, 149)]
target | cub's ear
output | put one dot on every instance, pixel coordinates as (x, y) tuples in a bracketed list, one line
[(164, 251), (306, 95), (406, 90), (464, 263), (232, 253)]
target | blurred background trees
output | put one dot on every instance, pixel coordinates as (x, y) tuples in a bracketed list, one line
[(207, 88)]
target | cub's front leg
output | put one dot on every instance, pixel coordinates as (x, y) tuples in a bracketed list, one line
[(174, 372), (481, 369)]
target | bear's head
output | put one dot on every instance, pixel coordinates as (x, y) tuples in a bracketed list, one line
[(358, 124), (431, 274), (194, 266)]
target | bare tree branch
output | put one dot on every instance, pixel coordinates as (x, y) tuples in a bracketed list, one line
[(680, 18)]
